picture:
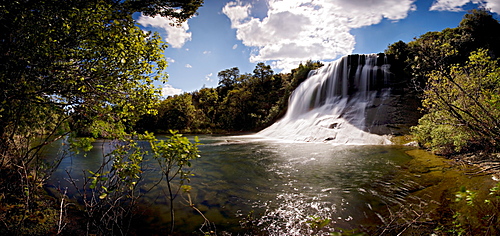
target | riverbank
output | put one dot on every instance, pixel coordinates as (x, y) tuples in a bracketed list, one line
[(443, 197)]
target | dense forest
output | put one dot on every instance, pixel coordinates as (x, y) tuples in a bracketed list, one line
[(241, 102), (84, 70)]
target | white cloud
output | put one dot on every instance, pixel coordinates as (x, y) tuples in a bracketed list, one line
[(188, 66), (236, 12), (170, 60), (456, 5), (209, 77), (177, 36), (448, 5), (493, 6), (169, 90), (235, 46), (298, 30), (207, 52)]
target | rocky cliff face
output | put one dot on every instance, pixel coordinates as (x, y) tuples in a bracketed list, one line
[(393, 113)]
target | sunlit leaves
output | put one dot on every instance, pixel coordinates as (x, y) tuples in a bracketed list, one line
[(80, 66), (88, 58), (462, 102), (174, 155)]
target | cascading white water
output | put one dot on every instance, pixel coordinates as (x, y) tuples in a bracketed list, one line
[(331, 104)]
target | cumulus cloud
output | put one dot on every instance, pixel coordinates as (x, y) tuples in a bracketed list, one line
[(448, 5), (188, 66), (235, 46), (494, 6), (298, 30), (209, 77), (207, 52), (169, 90), (177, 36), (457, 5)]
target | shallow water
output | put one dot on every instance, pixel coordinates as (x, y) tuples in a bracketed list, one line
[(283, 184)]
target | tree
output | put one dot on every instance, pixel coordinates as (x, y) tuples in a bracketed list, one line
[(84, 63), (207, 101), (463, 105), (401, 52), (484, 29), (438, 50), (241, 102), (262, 72), (236, 110), (178, 10), (177, 112), (228, 78), (174, 157), (98, 65)]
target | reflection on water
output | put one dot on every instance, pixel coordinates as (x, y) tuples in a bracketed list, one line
[(283, 184)]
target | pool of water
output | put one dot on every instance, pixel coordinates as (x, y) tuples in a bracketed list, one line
[(280, 185)]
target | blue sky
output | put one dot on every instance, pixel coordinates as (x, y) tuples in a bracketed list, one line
[(283, 33)]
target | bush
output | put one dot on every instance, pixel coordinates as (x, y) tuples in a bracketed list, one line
[(463, 107)]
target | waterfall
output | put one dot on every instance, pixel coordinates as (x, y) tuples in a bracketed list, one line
[(337, 103)]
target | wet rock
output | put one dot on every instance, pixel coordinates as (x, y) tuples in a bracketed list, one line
[(333, 126), (411, 144)]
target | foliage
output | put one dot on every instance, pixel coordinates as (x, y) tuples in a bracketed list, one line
[(463, 106), (206, 101), (177, 10), (483, 30), (108, 194), (443, 138), (228, 78), (241, 102), (476, 212), (174, 157), (439, 50), (82, 66), (90, 64), (467, 195), (456, 71), (176, 113)]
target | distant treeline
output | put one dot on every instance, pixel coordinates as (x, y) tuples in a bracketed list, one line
[(241, 102)]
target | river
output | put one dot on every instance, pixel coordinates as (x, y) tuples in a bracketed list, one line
[(281, 184)]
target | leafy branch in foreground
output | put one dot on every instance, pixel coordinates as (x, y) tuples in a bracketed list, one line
[(174, 156), (476, 212), (109, 193)]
